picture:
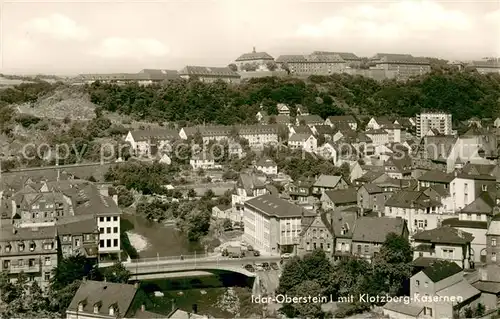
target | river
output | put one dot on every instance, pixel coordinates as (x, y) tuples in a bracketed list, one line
[(159, 239)]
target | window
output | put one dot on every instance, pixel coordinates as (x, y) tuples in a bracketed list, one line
[(101, 230), (367, 248), (493, 256), (96, 309), (80, 307), (21, 247), (428, 311), (469, 216), (108, 219), (493, 242), (484, 188), (20, 262), (115, 218), (47, 261), (108, 243), (115, 230), (417, 283), (359, 249), (426, 284), (101, 243), (77, 242), (47, 276), (108, 230), (101, 219), (314, 246), (115, 243)]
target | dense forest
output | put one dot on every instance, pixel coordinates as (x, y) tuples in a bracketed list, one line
[(464, 94)]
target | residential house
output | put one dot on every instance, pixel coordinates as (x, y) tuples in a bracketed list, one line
[(272, 224), (31, 250), (305, 142), (376, 123), (258, 60), (260, 115), (371, 232), (258, 136), (217, 133), (342, 121), (334, 199), (302, 110), (398, 166), (101, 299), (248, 186), (324, 131), (474, 219), (372, 197), (342, 222), (448, 294), (328, 182), (78, 236), (283, 109), (309, 120), (394, 132), (328, 151), (148, 142), (493, 243), (299, 130), (446, 243), (281, 119), (300, 190), (435, 177), (482, 169), (419, 210), (371, 176), (466, 188), (203, 160), (485, 66), (378, 137), (210, 74), (316, 234), (227, 212), (267, 166)]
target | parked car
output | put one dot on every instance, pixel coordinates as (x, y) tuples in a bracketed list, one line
[(259, 267), (266, 266), (286, 256), (256, 253), (249, 268), (275, 266)]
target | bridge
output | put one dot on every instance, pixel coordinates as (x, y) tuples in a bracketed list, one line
[(204, 262)]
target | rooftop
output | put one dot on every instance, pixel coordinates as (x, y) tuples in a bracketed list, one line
[(441, 269), (376, 229), (273, 206)]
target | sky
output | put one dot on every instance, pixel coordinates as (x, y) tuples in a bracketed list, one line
[(72, 37)]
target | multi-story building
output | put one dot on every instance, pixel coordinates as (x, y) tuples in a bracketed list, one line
[(305, 142), (493, 242), (429, 120), (146, 142), (247, 187), (144, 77), (333, 199), (342, 122), (259, 135), (328, 183), (485, 66), (404, 65), (272, 224), (309, 120), (318, 64), (419, 210), (465, 188), (474, 219), (203, 160), (447, 294), (210, 74), (371, 232), (267, 166), (32, 250), (446, 243), (372, 197), (351, 59), (258, 60), (316, 234), (78, 236)]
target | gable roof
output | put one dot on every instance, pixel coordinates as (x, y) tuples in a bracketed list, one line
[(408, 199), (193, 70), (310, 119), (251, 56), (482, 204), (437, 177), (344, 55), (343, 218), (372, 188), (106, 294), (342, 118), (327, 181), (441, 269), (439, 147), (376, 229), (249, 182), (300, 137), (444, 235), (343, 196), (159, 134)]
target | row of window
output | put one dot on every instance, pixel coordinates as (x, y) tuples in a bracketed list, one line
[(22, 263), (58, 213), (315, 246), (21, 247), (108, 230), (108, 219), (108, 243)]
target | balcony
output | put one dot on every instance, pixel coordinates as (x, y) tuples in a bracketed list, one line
[(26, 268)]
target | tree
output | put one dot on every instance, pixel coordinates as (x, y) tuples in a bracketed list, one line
[(233, 67), (71, 269), (249, 67), (285, 67), (116, 273), (227, 224), (191, 193), (271, 66), (480, 309)]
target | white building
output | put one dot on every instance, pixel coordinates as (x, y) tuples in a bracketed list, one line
[(267, 166), (440, 121), (272, 224), (203, 160), (378, 137), (144, 142), (306, 142), (465, 189), (108, 223)]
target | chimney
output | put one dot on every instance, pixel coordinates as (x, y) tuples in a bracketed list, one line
[(143, 308)]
